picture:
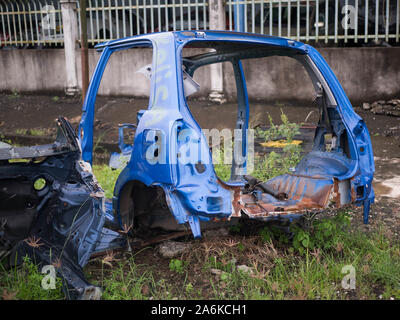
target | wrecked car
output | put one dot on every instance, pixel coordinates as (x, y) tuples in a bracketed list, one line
[(168, 179), (52, 210)]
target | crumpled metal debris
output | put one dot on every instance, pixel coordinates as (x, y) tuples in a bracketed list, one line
[(52, 209)]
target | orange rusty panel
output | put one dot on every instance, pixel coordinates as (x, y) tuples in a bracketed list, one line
[(304, 193), (237, 204), (297, 187)]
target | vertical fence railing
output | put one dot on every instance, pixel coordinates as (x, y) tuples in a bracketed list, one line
[(108, 19), (321, 20), (30, 23)]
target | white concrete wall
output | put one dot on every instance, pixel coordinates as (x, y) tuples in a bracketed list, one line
[(32, 70), (365, 73), (120, 77)]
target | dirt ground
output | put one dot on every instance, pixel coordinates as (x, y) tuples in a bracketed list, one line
[(40, 111), (35, 115)]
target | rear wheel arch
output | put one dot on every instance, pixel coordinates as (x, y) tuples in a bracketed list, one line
[(136, 200)]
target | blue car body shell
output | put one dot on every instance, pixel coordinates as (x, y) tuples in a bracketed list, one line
[(195, 195)]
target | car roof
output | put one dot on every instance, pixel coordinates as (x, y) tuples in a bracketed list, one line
[(210, 35)]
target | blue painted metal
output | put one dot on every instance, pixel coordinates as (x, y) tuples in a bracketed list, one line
[(69, 217), (242, 118), (167, 127), (367, 204), (119, 160)]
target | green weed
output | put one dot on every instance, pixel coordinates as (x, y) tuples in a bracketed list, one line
[(125, 281), (21, 131), (273, 164), (31, 132), (25, 283), (37, 132), (106, 177), (287, 130), (177, 265), (14, 94)]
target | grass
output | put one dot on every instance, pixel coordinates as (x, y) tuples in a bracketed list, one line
[(37, 132), (280, 268), (307, 263), (4, 140), (106, 177), (14, 94), (25, 283), (222, 169), (210, 270), (21, 131), (280, 271), (126, 282), (277, 268), (272, 164), (31, 132)]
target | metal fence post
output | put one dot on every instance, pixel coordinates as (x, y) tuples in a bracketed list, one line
[(238, 13), (84, 48), (217, 22), (70, 30)]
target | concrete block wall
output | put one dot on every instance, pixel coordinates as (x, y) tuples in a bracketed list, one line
[(366, 74)]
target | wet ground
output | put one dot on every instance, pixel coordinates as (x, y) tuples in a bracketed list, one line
[(34, 115)]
